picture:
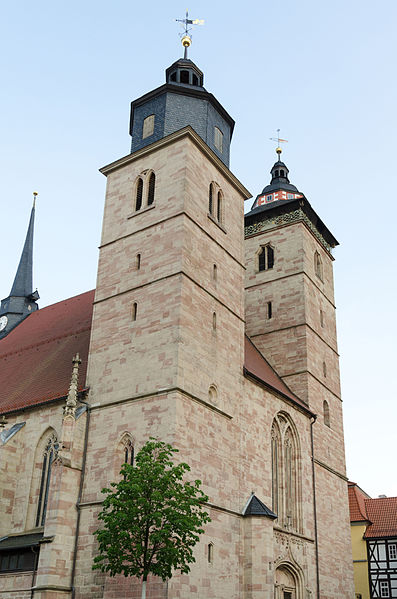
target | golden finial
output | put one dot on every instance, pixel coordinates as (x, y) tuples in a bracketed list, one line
[(35, 194), (186, 38), (279, 141)]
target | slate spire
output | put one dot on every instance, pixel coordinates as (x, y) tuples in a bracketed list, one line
[(22, 299)]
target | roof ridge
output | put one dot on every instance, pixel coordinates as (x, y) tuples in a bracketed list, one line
[(69, 334)]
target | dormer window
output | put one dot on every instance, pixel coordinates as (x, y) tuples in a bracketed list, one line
[(148, 126), (218, 139)]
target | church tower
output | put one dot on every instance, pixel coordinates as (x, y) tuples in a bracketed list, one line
[(22, 300), (290, 316)]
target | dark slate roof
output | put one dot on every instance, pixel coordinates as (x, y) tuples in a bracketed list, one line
[(285, 206), (36, 356), (256, 507), (20, 541), (23, 286)]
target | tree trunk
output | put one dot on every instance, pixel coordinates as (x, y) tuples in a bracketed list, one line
[(143, 595)]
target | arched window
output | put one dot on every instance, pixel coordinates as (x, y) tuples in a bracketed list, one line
[(318, 265), (285, 473), (266, 258), (134, 311), (215, 272), (210, 553), (49, 455), (211, 199), (326, 413), (214, 321), (219, 207), (138, 261), (212, 394), (152, 184), (321, 318), (324, 370), (139, 194)]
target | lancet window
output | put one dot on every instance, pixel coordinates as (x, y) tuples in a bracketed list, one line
[(318, 265), (145, 187), (285, 473), (265, 258), (49, 455)]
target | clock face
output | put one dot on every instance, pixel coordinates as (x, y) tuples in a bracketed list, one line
[(3, 322)]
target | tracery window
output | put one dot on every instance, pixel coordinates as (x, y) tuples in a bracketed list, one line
[(266, 258), (144, 190), (49, 455), (285, 473)]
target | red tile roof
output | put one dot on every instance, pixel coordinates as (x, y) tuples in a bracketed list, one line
[(357, 499), (36, 357), (382, 513), (256, 365)]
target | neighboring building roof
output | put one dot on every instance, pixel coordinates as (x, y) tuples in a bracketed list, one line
[(382, 513), (36, 356), (259, 368), (357, 499)]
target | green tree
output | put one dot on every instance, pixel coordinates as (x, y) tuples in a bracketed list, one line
[(152, 519)]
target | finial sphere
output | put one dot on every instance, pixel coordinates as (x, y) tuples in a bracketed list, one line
[(186, 41), (35, 193), (278, 150)]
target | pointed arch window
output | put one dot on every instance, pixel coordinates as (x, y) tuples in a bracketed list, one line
[(318, 265), (211, 199), (151, 187), (49, 455), (285, 473), (219, 207), (139, 194), (266, 258), (326, 413)]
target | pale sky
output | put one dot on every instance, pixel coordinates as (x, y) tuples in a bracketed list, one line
[(322, 72)]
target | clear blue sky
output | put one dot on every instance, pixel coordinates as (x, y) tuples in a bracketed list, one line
[(324, 72)]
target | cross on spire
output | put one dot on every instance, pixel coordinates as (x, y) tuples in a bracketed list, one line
[(186, 38)]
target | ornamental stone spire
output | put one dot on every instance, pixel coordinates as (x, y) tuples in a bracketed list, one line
[(71, 401)]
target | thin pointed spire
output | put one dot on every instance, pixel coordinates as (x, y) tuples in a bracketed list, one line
[(23, 285)]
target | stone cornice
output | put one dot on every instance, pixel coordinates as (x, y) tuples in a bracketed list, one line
[(173, 137)]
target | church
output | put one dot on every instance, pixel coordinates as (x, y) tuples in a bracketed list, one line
[(208, 329)]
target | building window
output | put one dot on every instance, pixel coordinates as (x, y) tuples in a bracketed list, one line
[(49, 455), (138, 261), (321, 318), (218, 139), (393, 551), (384, 588), (326, 413), (134, 311), (211, 199), (152, 184), (324, 370), (318, 265), (17, 560), (195, 79), (210, 553), (285, 473), (173, 76), (212, 394), (148, 126), (184, 76), (269, 310), (219, 207), (139, 194), (215, 272), (266, 258), (214, 321)]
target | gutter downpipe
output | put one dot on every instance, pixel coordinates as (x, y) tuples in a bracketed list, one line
[(76, 538), (312, 421)]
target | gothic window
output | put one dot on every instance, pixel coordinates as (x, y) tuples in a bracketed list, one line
[(219, 207), (212, 394), (134, 311), (285, 473), (138, 261), (326, 413), (148, 126), (269, 310), (210, 553), (49, 455), (139, 194), (211, 199), (218, 139), (266, 258), (151, 186), (214, 321), (128, 451), (318, 265), (215, 272)]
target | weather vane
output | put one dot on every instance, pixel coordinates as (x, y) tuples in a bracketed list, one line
[(279, 141), (186, 38)]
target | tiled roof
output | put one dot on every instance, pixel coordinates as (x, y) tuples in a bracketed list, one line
[(36, 357), (357, 499), (382, 513), (256, 365)]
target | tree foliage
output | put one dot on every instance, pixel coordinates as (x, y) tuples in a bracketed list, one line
[(151, 518)]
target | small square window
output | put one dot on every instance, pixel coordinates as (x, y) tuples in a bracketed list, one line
[(384, 588), (148, 126), (393, 551)]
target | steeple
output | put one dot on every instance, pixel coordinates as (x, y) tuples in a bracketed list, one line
[(22, 299), (280, 188)]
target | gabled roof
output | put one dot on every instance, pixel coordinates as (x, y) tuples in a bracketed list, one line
[(382, 513), (256, 507), (36, 356), (357, 499), (256, 366)]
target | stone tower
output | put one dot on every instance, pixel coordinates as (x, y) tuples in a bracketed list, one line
[(290, 316)]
